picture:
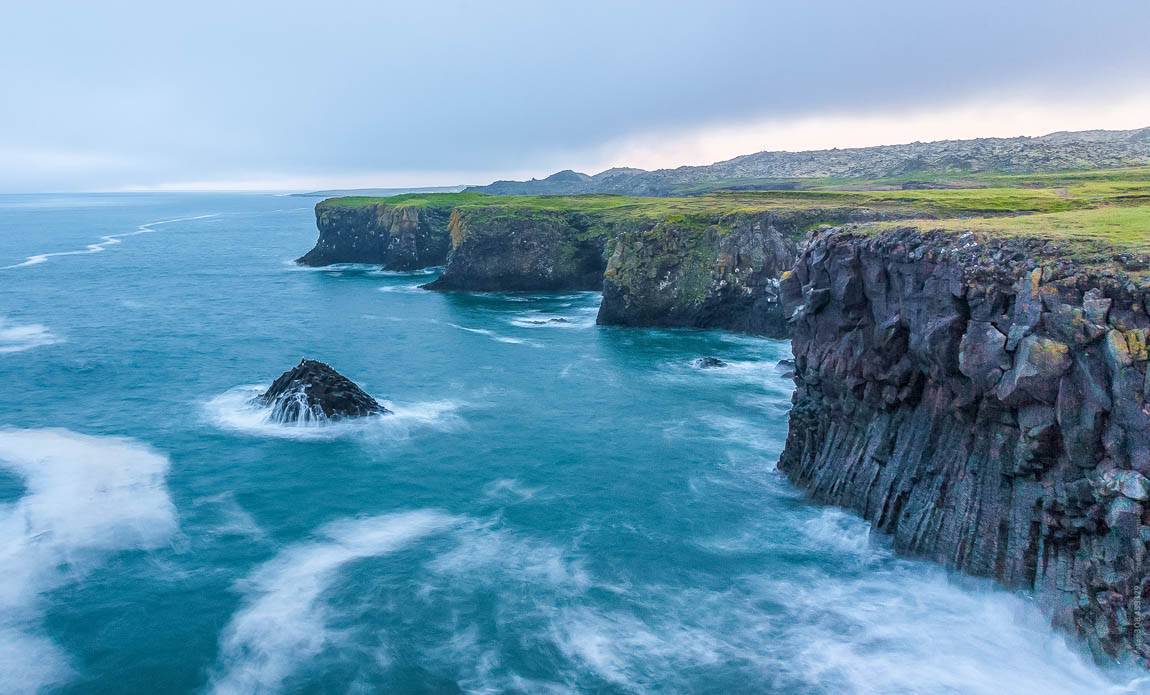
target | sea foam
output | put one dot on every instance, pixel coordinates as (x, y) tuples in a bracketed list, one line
[(236, 411), (102, 245), (16, 337), (282, 623), (85, 498)]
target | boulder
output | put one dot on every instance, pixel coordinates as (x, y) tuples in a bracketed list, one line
[(709, 363), (314, 392)]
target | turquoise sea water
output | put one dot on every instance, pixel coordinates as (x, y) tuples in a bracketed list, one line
[(553, 507)]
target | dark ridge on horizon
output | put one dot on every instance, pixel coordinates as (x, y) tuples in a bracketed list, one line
[(782, 169)]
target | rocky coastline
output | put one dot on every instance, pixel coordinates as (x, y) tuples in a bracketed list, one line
[(984, 401), (979, 395)]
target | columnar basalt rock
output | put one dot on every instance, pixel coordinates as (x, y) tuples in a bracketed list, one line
[(985, 401), (394, 237)]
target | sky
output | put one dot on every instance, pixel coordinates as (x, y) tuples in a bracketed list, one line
[(290, 95)]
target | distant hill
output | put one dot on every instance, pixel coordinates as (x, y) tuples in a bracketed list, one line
[(378, 192), (1063, 151)]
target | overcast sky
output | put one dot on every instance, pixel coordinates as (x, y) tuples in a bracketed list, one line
[(285, 95)]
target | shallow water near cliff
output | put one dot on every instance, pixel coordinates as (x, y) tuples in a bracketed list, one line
[(553, 507)]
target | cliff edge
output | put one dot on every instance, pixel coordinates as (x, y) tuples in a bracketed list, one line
[(984, 400)]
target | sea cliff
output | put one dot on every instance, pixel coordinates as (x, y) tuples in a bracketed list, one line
[(983, 399), (396, 237)]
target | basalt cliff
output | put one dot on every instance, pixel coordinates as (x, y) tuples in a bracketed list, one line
[(970, 356), (984, 401)]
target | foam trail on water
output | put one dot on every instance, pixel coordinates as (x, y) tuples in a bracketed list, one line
[(16, 337), (495, 336), (86, 497), (282, 623), (102, 245)]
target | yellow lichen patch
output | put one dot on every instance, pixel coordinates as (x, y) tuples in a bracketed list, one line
[(455, 227)]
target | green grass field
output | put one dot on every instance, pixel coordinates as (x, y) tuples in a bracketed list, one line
[(1101, 207)]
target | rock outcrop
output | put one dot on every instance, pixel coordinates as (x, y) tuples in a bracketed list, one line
[(985, 402), (719, 273), (397, 237), (494, 249), (312, 393)]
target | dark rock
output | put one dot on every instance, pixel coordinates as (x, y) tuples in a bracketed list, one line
[(396, 238), (986, 402), (723, 274), (529, 250), (709, 363), (314, 392)]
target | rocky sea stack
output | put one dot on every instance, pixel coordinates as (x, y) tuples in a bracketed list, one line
[(313, 392)]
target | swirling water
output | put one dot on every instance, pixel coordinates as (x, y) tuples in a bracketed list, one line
[(553, 507)]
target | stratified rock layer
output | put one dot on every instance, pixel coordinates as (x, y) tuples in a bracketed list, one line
[(312, 392), (396, 238), (985, 402), (494, 250)]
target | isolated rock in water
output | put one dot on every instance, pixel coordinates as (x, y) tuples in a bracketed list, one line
[(314, 392), (539, 322), (709, 363)]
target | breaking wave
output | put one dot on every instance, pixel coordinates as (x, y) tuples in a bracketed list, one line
[(105, 241), (235, 410), (85, 498), (15, 337)]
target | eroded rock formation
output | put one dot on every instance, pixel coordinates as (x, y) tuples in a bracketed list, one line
[(985, 402), (496, 250), (395, 237), (312, 392)]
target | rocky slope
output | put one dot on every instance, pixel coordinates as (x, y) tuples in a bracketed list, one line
[(395, 237), (985, 401), (1054, 152)]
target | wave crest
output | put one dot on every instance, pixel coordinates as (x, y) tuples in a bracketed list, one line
[(86, 497)]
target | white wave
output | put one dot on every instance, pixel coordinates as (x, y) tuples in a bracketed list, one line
[(418, 272), (403, 289), (838, 531), (16, 337), (105, 241), (496, 337), (509, 488), (283, 621), (235, 410), (85, 498), (914, 630), (533, 319), (232, 518)]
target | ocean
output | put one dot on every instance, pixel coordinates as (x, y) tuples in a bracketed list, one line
[(553, 506)]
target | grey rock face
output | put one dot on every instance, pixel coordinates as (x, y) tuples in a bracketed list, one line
[(985, 402), (396, 238)]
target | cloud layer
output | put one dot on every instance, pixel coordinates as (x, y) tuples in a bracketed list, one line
[(122, 93)]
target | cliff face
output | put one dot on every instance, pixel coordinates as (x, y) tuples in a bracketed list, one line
[(498, 250), (397, 238), (986, 403), (723, 274)]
